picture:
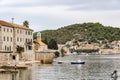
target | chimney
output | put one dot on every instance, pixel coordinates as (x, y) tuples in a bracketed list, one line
[(12, 20)]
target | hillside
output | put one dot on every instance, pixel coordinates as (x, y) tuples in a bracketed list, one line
[(91, 32)]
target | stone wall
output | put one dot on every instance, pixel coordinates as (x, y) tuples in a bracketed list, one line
[(28, 56), (45, 56), (4, 56)]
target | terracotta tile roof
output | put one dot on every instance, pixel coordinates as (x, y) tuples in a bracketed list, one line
[(40, 42), (4, 23)]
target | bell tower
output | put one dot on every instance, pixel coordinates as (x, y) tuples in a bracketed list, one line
[(39, 36)]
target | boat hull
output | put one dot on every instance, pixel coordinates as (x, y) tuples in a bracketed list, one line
[(60, 62), (77, 62)]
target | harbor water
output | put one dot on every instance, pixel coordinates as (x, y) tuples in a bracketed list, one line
[(96, 67)]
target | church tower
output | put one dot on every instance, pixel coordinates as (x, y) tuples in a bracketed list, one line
[(39, 36)]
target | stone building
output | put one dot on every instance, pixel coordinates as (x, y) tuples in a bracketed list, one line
[(38, 44), (42, 53), (13, 35)]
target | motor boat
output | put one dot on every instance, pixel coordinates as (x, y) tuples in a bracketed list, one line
[(78, 62)]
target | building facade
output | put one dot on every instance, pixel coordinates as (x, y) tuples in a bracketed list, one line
[(13, 35)]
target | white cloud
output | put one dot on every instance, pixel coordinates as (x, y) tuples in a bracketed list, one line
[(12, 2), (51, 14)]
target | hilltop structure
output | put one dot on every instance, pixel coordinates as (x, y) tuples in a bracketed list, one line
[(13, 35)]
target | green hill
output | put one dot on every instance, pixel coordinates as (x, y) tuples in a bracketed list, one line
[(91, 32)]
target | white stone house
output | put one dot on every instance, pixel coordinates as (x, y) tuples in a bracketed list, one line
[(115, 44), (13, 35)]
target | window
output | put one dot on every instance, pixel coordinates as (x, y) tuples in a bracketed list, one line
[(17, 31), (4, 29), (18, 39), (26, 32), (20, 31), (29, 47), (26, 40), (4, 38), (5, 48), (11, 39), (7, 38), (11, 30), (10, 48)]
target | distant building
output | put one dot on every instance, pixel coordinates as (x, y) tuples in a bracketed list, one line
[(38, 44), (115, 44), (13, 35)]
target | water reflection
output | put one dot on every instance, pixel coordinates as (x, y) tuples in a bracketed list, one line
[(95, 68), (14, 76), (21, 75)]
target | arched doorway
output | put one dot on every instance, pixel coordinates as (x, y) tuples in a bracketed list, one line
[(13, 57)]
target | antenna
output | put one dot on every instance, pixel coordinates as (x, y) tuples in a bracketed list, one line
[(12, 20)]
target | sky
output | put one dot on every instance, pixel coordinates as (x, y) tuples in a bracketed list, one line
[(53, 14)]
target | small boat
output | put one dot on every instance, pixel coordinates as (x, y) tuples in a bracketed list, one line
[(78, 62), (60, 62)]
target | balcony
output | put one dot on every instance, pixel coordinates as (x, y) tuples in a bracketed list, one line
[(28, 43)]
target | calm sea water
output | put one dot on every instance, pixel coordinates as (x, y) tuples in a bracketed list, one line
[(96, 68)]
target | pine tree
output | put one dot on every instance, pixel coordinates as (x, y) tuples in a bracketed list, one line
[(52, 44), (26, 23), (45, 40)]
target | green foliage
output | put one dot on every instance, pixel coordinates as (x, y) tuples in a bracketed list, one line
[(91, 32), (26, 23), (35, 35), (86, 50), (57, 54), (20, 49), (45, 41), (52, 44)]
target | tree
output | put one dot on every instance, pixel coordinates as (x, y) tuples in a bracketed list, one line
[(52, 44), (90, 32), (57, 54), (20, 50), (26, 23), (45, 40)]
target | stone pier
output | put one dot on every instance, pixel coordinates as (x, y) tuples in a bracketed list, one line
[(45, 57)]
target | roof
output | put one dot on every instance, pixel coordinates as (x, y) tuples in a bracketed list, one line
[(4, 23), (40, 42)]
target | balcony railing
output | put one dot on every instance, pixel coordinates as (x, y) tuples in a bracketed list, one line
[(28, 43)]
